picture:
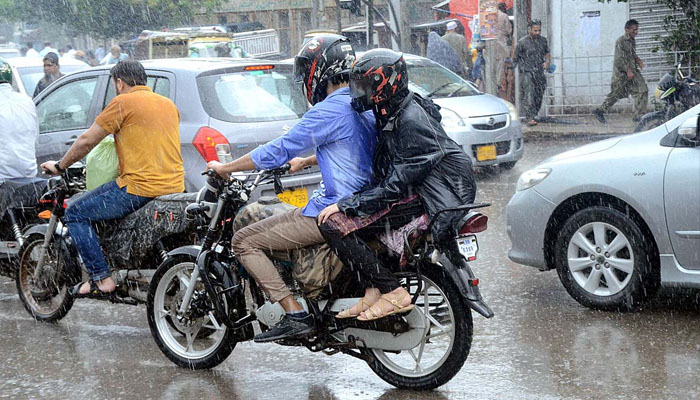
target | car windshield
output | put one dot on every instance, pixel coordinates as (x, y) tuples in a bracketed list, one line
[(428, 78), (251, 96), (31, 75)]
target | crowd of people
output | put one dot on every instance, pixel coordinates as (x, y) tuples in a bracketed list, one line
[(97, 56)]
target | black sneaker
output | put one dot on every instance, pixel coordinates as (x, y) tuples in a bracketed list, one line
[(599, 115), (288, 327)]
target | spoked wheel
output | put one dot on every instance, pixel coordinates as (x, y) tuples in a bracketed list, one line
[(44, 294), (195, 339), (446, 341)]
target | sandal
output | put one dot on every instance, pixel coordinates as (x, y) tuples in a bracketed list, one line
[(94, 293), (371, 315), (346, 313)]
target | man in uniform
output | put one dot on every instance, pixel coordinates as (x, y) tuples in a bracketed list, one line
[(627, 75), (532, 59), (459, 43)]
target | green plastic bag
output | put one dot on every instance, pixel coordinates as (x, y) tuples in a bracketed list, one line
[(101, 164)]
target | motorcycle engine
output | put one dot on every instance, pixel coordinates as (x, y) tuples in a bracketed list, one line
[(270, 314)]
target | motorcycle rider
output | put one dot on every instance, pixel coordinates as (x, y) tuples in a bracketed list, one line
[(344, 143), (146, 128), (414, 156), (19, 129)]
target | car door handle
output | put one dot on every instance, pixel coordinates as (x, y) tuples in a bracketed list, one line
[(71, 141)]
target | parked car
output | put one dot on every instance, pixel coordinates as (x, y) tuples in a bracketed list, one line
[(27, 71), (9, 52), (244, 103), (487, 127), (616, 218)]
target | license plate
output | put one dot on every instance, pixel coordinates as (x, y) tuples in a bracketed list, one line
[(468, 247), (296, 197), (485, 153)]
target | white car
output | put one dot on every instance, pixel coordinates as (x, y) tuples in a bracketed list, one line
[(487, 127), (27, 71), (616, 218)]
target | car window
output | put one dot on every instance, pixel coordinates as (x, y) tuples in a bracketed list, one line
[(427, 78), (31, 75), (67, 107), (227, 97), (158, 84)]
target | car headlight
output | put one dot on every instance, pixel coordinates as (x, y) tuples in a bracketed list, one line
[(450, 118), (532, 177), (512, 111)]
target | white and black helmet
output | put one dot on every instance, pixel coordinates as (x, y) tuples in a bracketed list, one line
[(324, 58)]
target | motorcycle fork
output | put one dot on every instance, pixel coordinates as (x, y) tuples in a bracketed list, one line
[(48, 236)]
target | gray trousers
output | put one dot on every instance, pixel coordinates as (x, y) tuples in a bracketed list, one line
[(532, 87)]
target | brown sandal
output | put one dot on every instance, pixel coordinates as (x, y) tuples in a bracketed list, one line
[(398, 309), (346, 313)]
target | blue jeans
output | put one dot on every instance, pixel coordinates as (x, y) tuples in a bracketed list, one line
[(106, 202)]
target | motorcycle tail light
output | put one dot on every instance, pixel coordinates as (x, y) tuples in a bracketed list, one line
[(206, 140), (46, 214), (475, 224)]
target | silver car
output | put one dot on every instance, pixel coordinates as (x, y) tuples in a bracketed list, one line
[(487, 128), (616, 218), (243, 103)]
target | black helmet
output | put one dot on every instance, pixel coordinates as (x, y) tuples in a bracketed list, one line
[(325, 57), (376, 77), (5, 72)]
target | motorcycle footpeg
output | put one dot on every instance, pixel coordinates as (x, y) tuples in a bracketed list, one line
[(123, 300)]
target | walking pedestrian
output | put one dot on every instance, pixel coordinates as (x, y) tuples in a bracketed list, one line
[(47, 49), (497, 51), (52, 71), (532, 59), (459, 43), (627, 76), (30, 50), (442, 53)]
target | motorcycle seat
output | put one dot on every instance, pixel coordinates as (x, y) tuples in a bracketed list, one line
[(178, 197)]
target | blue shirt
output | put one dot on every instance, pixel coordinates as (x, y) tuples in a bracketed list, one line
[(344, 142)]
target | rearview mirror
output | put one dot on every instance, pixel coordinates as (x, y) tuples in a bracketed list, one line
[(690, 130)]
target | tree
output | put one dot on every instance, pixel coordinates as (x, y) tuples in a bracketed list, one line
[(106, 18)]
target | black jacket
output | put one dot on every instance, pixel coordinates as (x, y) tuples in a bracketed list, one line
[(415, 155)]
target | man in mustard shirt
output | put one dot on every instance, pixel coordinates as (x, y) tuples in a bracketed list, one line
[(146, 133)]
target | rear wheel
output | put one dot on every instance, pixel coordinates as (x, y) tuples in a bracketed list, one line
[(650, 121), (446, 340), (195, 339), (45, 294)]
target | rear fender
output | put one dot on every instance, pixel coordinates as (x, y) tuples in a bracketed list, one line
[(464, 279)]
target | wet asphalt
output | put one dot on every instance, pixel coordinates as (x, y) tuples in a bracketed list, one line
[(540, 345)]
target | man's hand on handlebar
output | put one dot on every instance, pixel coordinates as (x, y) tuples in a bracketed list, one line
[(218, 168), (49, 168)]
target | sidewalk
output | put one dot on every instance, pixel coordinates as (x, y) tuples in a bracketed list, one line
[(579, 126)]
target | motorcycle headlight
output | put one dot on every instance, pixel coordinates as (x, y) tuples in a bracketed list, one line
[(512, 111), (451, 118), (531, 178)]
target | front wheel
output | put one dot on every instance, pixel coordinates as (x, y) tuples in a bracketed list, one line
[(446, 340), (195, 339), (603, 262), (45, 294), (650, 121)]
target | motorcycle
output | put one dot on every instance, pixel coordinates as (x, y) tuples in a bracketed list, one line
[(678, 95), (201, 302), (49, 263), (20, 199)]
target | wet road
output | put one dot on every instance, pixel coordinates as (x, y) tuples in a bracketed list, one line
[(540, 345)]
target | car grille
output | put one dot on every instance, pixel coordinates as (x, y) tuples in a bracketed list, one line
[(487, 127), (501, 147)]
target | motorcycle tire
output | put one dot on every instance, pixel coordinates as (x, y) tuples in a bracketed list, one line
[(47, 304), (650, 121), (452, 361), (162, 322)]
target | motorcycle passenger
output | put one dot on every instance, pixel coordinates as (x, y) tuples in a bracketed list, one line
[(146, 129), (344, 143), (19, 129), (414, 156)]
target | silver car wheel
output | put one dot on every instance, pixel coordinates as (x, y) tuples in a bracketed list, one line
[(600, 259)]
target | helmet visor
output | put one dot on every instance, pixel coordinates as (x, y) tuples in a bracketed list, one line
[(360, 88), (302, 65)]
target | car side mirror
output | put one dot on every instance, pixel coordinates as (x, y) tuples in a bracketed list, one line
[(690, 130)]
